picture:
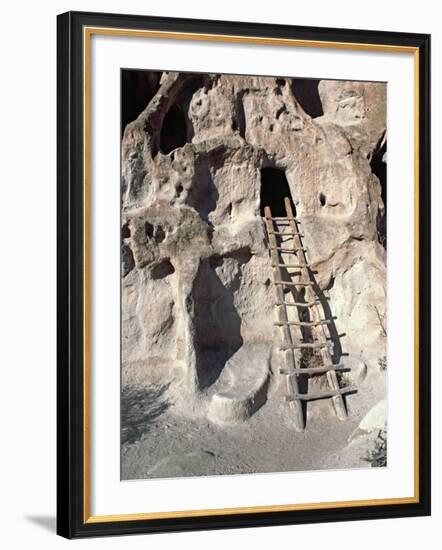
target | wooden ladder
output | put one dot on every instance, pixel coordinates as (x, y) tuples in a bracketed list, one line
[(309, 303)]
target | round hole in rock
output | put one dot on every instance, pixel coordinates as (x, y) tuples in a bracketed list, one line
[(125, 231), (162, 270), (148, 228), (127, 260), (174, 131), (160, 235), (322, 199)]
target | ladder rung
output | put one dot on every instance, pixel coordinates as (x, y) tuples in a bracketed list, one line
[(299, 304), (304, 323), (326, 395), (287, 250), (293, 283), (294, 266), (285, 234), (313, 370), (282, 218), (305, 345)]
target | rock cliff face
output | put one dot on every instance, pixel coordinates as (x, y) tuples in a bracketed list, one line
[(199, 163)]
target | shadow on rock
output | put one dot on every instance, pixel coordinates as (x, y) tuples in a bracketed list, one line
[(139, 408)]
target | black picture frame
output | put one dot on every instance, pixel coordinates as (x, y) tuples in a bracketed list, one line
[(72, 520)]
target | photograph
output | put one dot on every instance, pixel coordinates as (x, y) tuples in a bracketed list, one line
[(253, 274)]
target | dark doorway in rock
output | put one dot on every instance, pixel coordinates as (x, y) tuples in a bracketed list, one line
[(174, 131), (274, 188)]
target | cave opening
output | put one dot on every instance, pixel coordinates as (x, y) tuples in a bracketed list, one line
[(274, 188), (174, 130), (137, 88), (306, 93), (379, 169)]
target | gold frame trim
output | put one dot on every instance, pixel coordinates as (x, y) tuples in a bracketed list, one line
[(87, 33)]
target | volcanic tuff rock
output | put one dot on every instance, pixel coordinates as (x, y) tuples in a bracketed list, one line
[(196, 273)]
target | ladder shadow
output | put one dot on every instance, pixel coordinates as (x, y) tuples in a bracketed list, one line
[(334, 335), (307, 356), (298, 296)]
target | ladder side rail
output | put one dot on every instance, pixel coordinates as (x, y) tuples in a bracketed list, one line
[(289, 356)]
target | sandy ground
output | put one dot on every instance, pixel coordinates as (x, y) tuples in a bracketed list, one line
[(158, 441)]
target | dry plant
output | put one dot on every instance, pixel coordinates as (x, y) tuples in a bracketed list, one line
[(381, 319), (377, 457)]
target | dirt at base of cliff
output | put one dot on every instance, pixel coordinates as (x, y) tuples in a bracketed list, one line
[(165, 443)]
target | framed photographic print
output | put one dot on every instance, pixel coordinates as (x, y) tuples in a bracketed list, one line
[(243, 276)]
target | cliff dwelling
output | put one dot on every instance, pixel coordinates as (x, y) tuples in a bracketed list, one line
[(253, 252)]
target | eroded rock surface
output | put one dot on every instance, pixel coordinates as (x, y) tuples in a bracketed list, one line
[(196, 273)]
